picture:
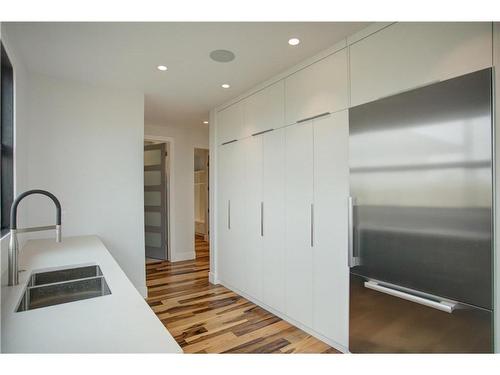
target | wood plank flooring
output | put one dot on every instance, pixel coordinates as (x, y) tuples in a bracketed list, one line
[(206, 318)]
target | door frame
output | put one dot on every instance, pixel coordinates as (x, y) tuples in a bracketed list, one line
[(170, 192), (207, 211)]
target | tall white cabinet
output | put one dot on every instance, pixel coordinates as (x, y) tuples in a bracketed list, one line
[(231, 214), (274, 213), (330, 286), (288, 248), (251, 239), (299, 221)]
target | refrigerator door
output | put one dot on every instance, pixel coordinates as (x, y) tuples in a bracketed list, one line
[(421, 183), (421, 213), (381, 323)]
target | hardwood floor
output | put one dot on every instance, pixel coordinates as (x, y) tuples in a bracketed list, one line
[(206, 318)]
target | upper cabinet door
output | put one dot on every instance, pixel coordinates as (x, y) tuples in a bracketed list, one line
[(265, 109), (230, 123), (407, 55), (319, 88)]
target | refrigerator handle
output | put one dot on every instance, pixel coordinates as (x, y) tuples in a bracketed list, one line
[(446, 306), (352, 261)]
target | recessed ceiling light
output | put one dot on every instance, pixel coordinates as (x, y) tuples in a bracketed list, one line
[(225, 86), (293, 41), (205, 122), (161, 67)]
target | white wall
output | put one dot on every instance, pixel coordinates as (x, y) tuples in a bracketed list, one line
[(85, 145), (185, 140), (20, 123)]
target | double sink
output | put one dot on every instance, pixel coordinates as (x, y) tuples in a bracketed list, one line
[(63, 286)]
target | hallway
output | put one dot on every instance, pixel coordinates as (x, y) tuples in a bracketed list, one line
[(206, 318)]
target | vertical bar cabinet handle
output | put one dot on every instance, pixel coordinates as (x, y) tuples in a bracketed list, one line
[(262, 219), (312, 224), (229, 214)]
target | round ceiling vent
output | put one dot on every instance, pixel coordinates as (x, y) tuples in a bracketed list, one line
[(222, 55)]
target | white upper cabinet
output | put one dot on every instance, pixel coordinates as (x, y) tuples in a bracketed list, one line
[(319, 88), (265, 109), (230, 123), (407, 55)]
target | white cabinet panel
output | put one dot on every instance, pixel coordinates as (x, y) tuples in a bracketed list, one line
[(251, 242), (406, 55), (238, 217), (223, 199), (273, 247), (331, 189), (319, 88), (230, 123), (299, 197), (265, 109), (231, 202)]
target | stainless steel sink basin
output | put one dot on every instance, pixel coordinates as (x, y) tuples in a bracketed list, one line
[(63, 286), (67, 274)]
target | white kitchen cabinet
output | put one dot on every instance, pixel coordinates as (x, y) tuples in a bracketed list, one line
[(265, 109), (331, 190), (298, 221), (231, 215), (230, 122), (319, 88), (407, 55), (251, 242), (273, 240), (223, 198)]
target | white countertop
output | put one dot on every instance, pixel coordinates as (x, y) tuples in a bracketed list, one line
[(121, 322)]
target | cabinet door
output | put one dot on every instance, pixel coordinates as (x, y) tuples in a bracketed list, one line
[(230, 123), (331, 189), (406, 55), (223, 207), (319, 88), (265, 109), (299, 199), (238, 216), (252, 231), (231, 214), (273, 248)]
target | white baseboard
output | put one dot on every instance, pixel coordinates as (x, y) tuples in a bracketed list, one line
[(212, 278), (144, 291), (283, 316), (186, 255)]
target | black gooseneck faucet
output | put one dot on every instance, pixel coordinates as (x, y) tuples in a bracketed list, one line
[(13, 243)]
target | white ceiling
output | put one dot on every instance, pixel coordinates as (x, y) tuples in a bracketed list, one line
[(125, 55)]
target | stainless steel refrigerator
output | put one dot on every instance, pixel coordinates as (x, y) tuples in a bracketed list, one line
[(421, 246)]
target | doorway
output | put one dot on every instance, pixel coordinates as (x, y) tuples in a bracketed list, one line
[(201, 198), (157, 199)]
